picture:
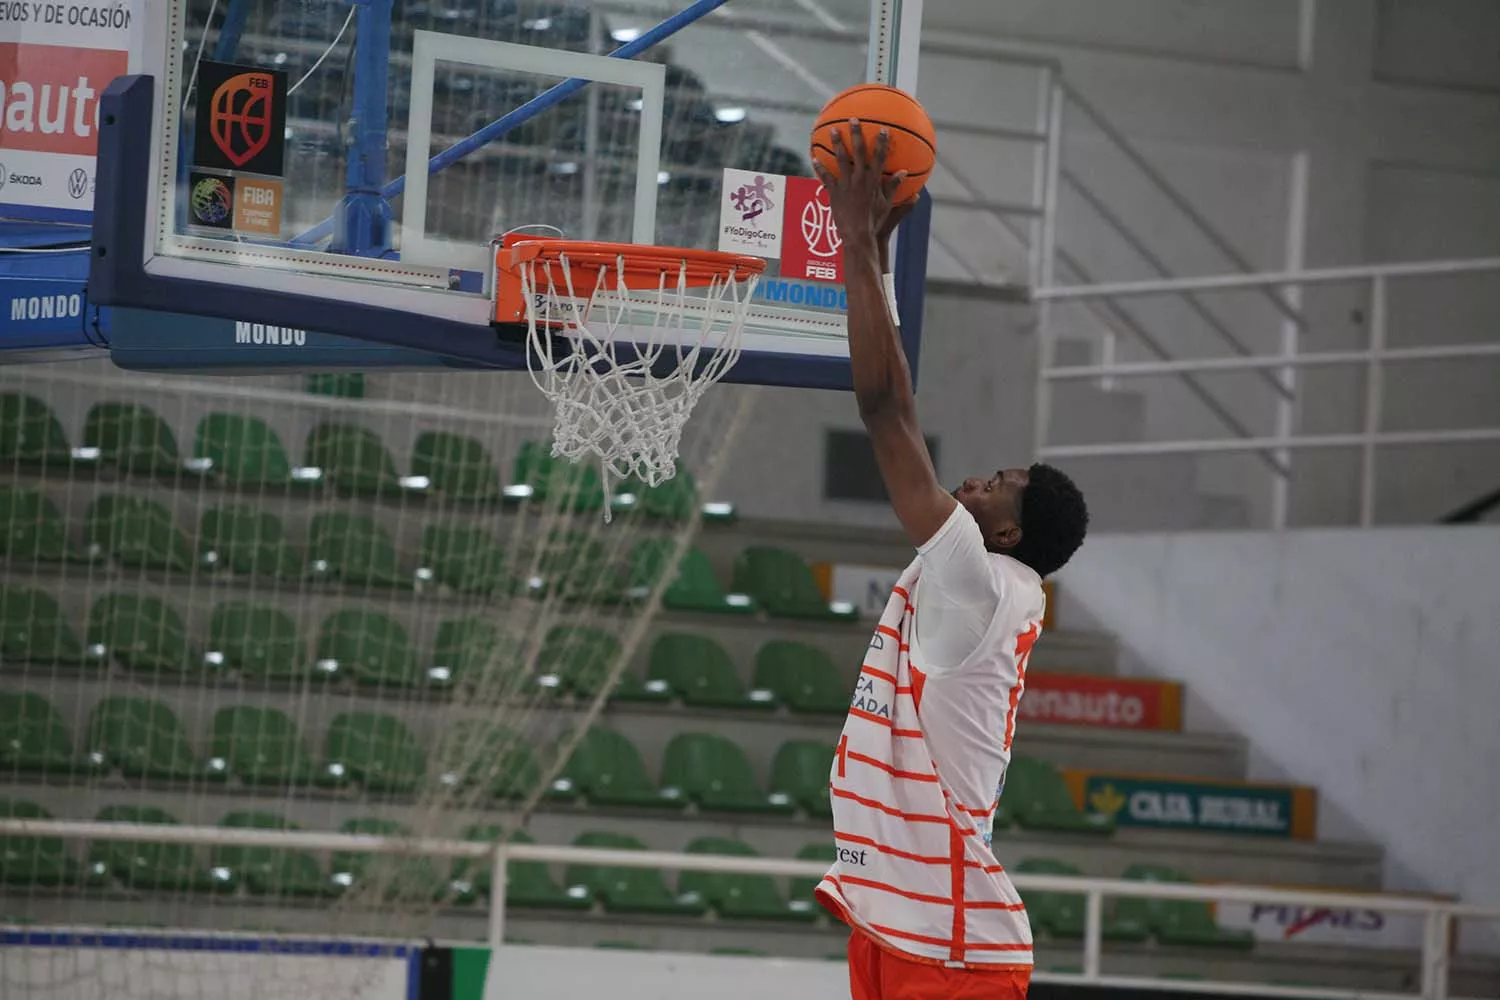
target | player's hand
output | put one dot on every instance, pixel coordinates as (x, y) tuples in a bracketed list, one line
[(860, 196)]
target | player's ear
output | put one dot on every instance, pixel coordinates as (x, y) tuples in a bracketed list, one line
[(1004, 536)]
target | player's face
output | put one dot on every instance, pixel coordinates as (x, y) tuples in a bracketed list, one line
[(995, 501)]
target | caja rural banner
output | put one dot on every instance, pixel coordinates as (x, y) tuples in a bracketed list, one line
[(1167, 803), (55, 61)]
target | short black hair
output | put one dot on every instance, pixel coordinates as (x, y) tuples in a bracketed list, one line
[(1054, 520)]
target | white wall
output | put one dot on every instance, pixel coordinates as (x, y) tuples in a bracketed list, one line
[(1365, 663)]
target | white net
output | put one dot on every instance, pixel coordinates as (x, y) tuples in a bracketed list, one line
[(625, 367)]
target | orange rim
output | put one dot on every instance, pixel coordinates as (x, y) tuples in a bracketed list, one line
[(642, 263)]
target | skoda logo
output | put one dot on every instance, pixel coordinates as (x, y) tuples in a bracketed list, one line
[(3, 174), (78, 182)]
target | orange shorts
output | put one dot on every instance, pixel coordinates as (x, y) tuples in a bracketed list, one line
[(877, 974)]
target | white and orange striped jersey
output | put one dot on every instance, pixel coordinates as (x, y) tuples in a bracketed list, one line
[(921, 762)]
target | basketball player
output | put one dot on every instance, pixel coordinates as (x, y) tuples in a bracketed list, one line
[(922, 759)]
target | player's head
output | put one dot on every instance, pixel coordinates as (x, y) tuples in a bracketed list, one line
[(1035, 515)]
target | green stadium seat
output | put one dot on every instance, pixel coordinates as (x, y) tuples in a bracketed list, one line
[(576, 567), (800, 772), (1037, 797), (258, 641), (802, 888), (478, 755), (477, 653), (269, 871), (464, 558), (143, 633), (30, 433), (352, 459), (1061, 914), (741, 897), (1178, 921), (674, 500), (134, 531), (352, 549), (241, 450), (607, 769), (375, 751), (700, 672), (153, 866), (32, 630), (530, 884), (260, 746), (694, 588), (28, 861), (33, 738), (579, 658), (803, 677), (391, 876), (143, 739), (712, 771), (132, 437), (456, 467), (628, 890), (677, 500), (784, 586), (566, 485), (371, 648), (32, 529), (241, 539)]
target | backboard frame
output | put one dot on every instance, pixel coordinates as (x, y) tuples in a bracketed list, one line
[(439, 310)]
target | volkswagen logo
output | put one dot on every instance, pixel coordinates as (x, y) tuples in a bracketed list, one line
[(78, 182)]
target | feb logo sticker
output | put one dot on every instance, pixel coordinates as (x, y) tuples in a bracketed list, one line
[(241, 119)]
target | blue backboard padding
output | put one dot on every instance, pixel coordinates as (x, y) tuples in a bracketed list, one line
[(43, 308), (146, 340)]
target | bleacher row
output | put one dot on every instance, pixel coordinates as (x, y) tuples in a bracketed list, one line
[(42, 862), (262, 748)]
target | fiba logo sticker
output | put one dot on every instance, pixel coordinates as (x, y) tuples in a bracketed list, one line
[(241, 119), (78, 183), (211, 200), (750, 214)]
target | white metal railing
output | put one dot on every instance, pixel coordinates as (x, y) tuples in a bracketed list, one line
[(1373, 358), (1439, 915)]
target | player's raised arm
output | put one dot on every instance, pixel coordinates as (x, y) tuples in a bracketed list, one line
[(860, 197)]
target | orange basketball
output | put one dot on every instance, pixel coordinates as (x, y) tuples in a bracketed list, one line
[(913, 143)]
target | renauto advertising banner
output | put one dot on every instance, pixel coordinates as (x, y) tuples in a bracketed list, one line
[(55, 61)]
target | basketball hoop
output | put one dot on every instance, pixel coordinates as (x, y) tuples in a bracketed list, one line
[(619, 345)]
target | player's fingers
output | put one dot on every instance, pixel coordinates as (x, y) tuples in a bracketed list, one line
[(857, 142), (892, 183), (841, 153), (824, 174), (882, 147)]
